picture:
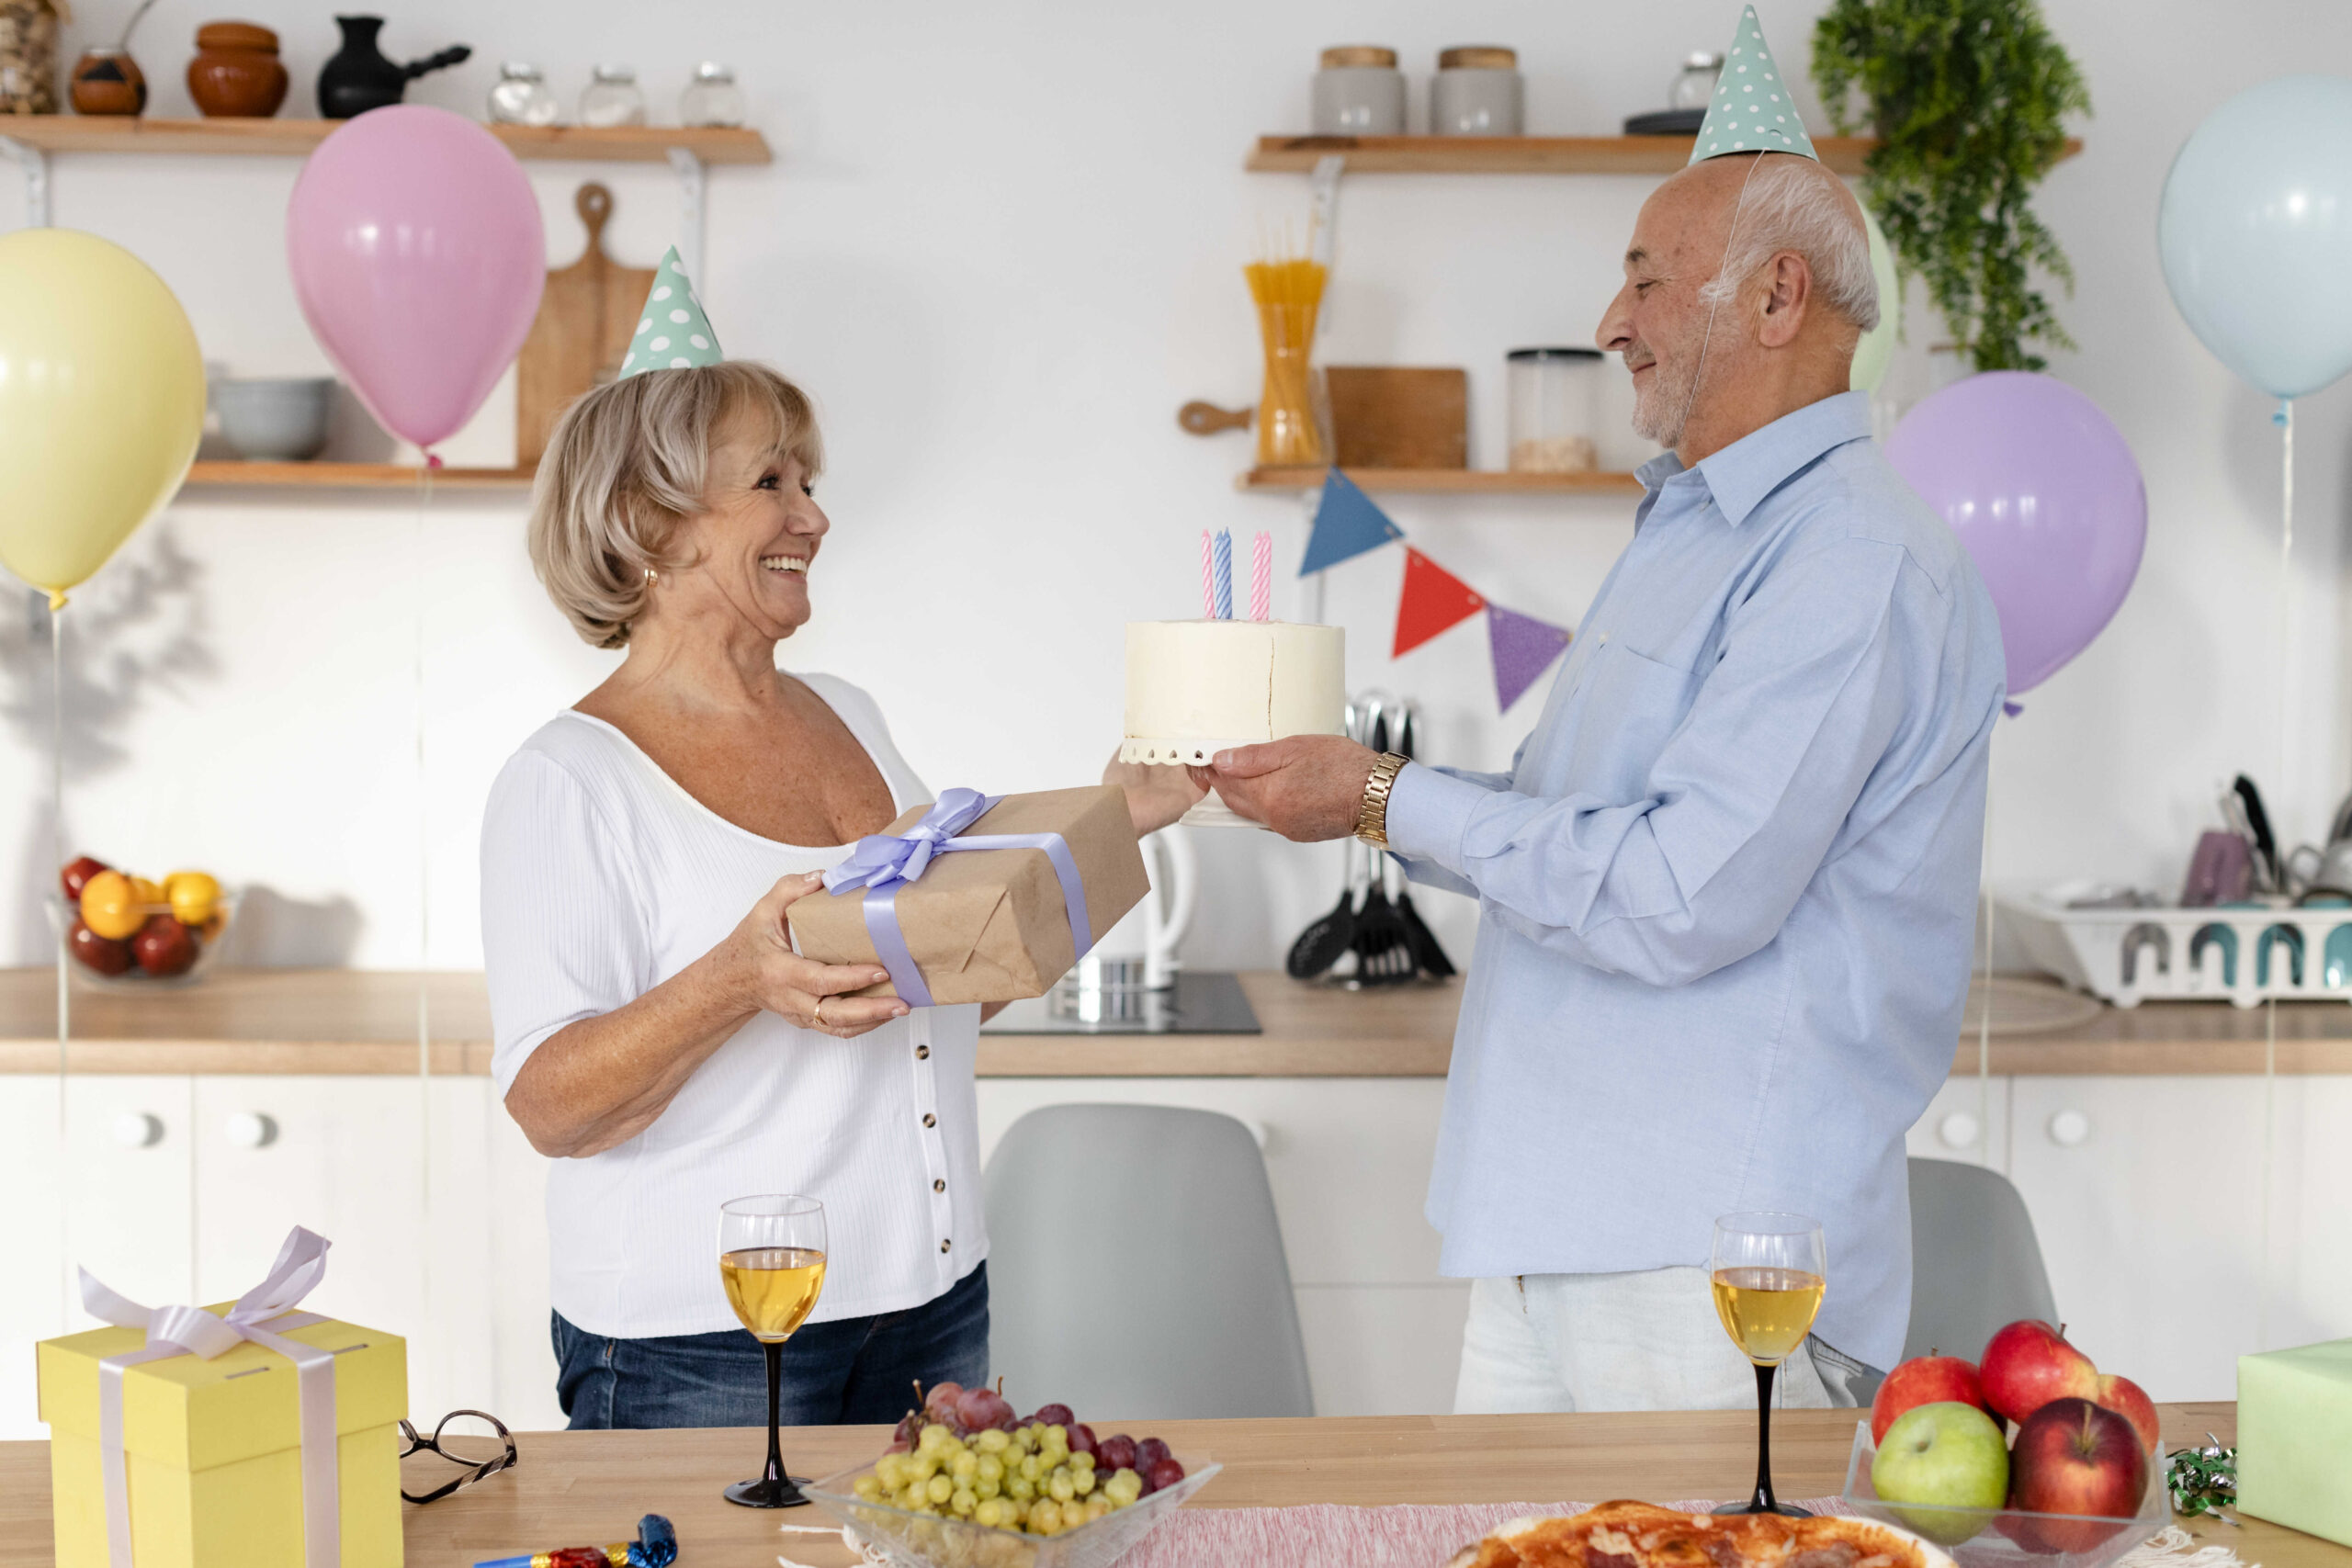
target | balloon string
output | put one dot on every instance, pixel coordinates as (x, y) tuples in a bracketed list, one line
[(57, 845), (423, 903), (2285, 420), (1985, 1011)]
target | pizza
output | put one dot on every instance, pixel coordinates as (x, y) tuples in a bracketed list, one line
[(1643, 1535)]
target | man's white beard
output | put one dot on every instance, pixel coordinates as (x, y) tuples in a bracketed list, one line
[(1661, 408)]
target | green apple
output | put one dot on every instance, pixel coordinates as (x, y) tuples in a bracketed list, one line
[(1946, 1455)]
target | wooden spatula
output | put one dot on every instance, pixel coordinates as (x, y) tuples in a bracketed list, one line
[(586, 319)]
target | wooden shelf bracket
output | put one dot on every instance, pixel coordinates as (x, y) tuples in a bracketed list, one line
[(691, 188), (34, 164)]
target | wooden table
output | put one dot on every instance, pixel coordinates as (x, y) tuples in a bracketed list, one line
[(582, 1488)]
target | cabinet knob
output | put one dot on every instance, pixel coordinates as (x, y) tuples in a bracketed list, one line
[(250, 1130), (2069, 1128), (1959, 1130), (138, 1129)]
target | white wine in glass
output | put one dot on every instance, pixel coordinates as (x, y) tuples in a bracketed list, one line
[(1768, 1272), (772, 1262)]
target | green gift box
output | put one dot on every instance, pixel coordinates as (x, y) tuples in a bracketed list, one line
[(2295, 1438)]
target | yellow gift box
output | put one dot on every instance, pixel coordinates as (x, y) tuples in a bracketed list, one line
[(214, 1449)]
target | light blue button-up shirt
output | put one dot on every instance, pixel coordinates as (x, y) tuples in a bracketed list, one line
[(1728, 889)]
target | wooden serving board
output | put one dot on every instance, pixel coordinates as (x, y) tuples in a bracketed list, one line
[(586, 318), (1394, 416)]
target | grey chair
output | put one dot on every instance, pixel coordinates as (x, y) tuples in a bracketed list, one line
[(1974, 1262), (1135, 1268)]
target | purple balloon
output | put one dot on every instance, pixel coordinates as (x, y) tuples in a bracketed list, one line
[(414, 240), (2044, 495)]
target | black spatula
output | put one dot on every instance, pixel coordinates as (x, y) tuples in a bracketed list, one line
[(1428, 956)]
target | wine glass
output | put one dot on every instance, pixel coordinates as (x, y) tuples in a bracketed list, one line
[(1768, 1271), (771, 1260)]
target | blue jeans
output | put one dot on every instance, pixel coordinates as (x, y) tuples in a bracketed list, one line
[(850, 1371)]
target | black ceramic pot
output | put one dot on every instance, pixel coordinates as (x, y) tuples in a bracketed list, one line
[(359, 77)]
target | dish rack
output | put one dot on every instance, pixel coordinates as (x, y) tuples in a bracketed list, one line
[(2244, 954)]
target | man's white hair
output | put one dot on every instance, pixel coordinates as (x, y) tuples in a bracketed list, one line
[(1793, 204)]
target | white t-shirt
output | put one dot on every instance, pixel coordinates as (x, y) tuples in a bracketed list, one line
[(602, 877)]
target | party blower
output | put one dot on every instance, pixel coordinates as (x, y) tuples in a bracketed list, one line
[(656, 1546)]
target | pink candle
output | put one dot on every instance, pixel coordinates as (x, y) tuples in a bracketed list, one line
[(1262, 576), (1208, 580)]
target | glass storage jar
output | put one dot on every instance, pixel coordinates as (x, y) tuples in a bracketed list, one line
[(522, 97), (1358, 92), (1694, 85), (1478, 92), (612, 97), (712, 97), (1555, 398)]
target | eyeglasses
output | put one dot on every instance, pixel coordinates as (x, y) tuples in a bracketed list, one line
[(460, 1437)]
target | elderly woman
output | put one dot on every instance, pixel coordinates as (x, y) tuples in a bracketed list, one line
[(655, 1031)]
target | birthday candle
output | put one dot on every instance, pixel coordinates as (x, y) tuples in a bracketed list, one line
[(1208, 580), (1262, 576), (1224, 553)]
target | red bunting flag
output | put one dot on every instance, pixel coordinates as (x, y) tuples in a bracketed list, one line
[(1433, 600)]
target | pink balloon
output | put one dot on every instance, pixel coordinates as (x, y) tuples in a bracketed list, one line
[(414, 240)]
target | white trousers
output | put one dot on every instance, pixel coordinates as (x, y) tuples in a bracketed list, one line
[(1649, 1341)]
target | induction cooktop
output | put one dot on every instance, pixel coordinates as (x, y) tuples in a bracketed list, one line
[(1199, 1003)]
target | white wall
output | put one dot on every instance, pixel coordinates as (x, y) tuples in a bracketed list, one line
[(1001, 244)]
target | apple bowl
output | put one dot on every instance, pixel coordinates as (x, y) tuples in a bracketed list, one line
[(930, 1540), (209, 939), (2008, 1537)]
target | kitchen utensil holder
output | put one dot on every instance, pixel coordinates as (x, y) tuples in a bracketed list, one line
[(2244, 954)]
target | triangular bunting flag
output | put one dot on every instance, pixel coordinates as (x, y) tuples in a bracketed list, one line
[(1523, 648), (671, 332), (1752, 111), (1345, 523), (1433, 600)]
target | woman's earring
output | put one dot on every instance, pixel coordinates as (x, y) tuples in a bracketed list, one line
[(652, 576)]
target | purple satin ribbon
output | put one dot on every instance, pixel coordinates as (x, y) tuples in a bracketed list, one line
[(882, 864)]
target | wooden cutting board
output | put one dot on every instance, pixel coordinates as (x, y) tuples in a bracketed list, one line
[(586, 318), (1396, 416)]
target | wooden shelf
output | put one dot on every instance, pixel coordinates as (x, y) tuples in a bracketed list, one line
[(346, 475), (1522, 154), (1446, 481), (627, 143)]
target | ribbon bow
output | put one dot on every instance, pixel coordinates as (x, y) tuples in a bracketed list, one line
[(192, 1331), (881, 863)]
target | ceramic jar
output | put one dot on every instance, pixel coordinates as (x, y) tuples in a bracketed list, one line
[(107, 81), (236, 73), (1358, 92), (1477, 92)]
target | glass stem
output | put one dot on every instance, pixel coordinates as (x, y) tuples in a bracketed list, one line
[(1764, 1502), (775, 1352)]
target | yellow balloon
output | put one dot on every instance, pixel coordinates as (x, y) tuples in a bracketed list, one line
[(1876, 351), (101, 402)]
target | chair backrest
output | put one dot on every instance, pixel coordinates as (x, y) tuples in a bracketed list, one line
[(1135, 1268), (1974, 1262)]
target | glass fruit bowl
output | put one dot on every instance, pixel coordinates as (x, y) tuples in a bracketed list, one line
[(929, 1540), (208, 940), (2008, 1537)]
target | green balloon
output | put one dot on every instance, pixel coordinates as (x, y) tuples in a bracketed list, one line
[(1876, 351)]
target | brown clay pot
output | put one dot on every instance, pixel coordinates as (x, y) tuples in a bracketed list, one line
[(236, 71), (107, 81)]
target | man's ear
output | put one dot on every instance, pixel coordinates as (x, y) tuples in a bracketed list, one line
[(1787, 291)]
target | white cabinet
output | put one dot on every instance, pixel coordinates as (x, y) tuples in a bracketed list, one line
[(1968, 1121), (32, 1238), (2311, 1228)]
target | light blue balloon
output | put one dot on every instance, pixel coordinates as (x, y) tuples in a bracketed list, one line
[(2256, 232)]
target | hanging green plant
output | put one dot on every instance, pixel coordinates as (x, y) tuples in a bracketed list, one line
[(1967, 99)]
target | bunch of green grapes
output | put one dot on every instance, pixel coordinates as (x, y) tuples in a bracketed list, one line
[(1025, 1480)]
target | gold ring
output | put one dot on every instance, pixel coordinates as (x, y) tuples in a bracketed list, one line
[(819, 1015)]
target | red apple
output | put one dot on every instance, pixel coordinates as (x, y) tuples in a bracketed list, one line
[(2028, 1364), (76, 877), (2071, 1457), (2129, 1400), (1923, 1380), (163, 946), (106, 957)]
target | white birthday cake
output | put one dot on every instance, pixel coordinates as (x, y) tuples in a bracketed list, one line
[(1196, 687)]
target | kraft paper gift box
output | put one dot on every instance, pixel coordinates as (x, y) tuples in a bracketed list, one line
[(2295, 1438), (982, 923), (214, 1449)]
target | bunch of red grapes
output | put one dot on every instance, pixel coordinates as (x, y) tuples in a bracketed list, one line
[(964, 1410)]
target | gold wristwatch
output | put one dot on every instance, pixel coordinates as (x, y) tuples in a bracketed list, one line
[(1372, 817)]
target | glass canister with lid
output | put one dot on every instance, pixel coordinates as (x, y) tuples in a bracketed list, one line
[(1358, 92), (612, 97), (1478, 92), (522, 97), (1555, 395), (712, 97)]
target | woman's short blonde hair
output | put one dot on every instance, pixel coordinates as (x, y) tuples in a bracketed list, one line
[(627, 462)]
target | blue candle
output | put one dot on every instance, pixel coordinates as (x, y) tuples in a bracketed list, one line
[(1224, 547)]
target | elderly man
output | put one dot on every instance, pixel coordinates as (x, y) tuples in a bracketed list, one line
[(1726, 889)]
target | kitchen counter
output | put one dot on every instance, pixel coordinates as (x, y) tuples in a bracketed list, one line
[(361, 1022), (572, 1488)]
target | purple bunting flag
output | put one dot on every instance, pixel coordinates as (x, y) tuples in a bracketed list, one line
[(1523, 648)]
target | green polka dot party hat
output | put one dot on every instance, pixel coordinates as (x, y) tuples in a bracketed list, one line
[(1752, 111), (671, 332)]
